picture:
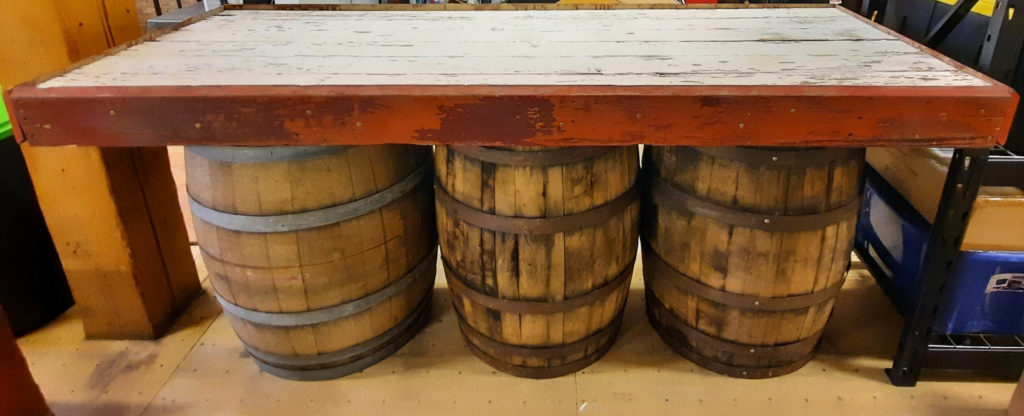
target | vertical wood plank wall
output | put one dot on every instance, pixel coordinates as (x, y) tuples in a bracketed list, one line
[(113, 213)]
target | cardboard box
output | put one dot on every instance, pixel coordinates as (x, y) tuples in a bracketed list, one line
[(997, 219)]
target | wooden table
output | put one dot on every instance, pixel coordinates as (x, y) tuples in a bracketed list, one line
[(572, 76), (546, 75)]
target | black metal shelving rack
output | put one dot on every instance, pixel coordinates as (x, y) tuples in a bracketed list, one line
[(998, 51), (920, 347)]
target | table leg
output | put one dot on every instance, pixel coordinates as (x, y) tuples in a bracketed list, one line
[(112, 212), (958, 194), (114, 218)]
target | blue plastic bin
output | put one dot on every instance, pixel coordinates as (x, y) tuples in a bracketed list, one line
[(986, 293)]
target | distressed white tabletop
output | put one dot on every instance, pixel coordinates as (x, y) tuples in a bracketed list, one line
[(801, 46)]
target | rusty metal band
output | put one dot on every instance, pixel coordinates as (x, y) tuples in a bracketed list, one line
[(310, 219), (546, 157), (744, 355), (601, 341), (655, 268), (665, 194), (424, 270), (784, 157), (461, 289), (348, 360), (682, 348), (555, 351), (263, 154), (534, 226)]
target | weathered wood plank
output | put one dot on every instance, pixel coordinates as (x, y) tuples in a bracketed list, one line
[(449, 46)]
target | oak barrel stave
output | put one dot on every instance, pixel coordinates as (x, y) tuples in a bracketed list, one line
[(322, 257), (538, 246), (745, 250)]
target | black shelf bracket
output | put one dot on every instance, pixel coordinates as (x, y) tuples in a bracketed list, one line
[(949, 22), (958, 195)]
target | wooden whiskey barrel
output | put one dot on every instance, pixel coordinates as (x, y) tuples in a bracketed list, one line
[(538, 246), (323, 257), (745, 250)]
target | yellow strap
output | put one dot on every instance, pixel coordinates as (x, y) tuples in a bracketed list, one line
[(984, 7)]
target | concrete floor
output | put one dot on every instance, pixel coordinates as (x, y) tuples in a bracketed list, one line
[(200, 368)]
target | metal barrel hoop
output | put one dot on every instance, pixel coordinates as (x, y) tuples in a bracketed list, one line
[(545, 157), (460, 288), (264, 154), (534, 226), (797, 157), (349, 360), (599, 343), (681, 338), (418, 273), (314, 218), (656, 269), (662, 193)]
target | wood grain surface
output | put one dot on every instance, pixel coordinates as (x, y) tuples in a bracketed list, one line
[(809, 46)]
